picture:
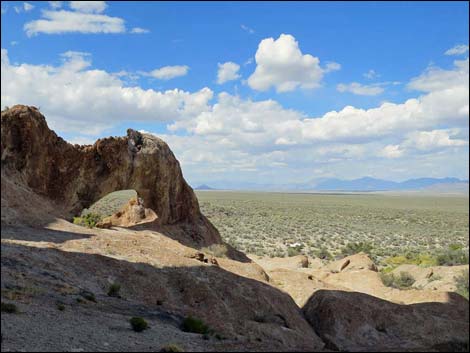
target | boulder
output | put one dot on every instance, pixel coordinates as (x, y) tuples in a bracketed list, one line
[(351, 321), (354, 262), (440, 278), (131, 214)]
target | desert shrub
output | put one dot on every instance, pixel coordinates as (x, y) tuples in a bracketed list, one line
[(322, 254), (420, 259), (455, 247), (9, 308), (217, 250), (293, 251), (60, 307), (113, 290), (138, 324), (354, 248), (452, 257), (88, 220), (403, 281), (88, 296), (462, 283), (171, 348), (194, 325), (434, 277)]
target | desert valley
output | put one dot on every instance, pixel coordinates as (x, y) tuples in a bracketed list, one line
[(235, 176)]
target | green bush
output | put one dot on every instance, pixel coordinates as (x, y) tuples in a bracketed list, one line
[(138, 324), (323, 254), (9, 308), (293, 251), (452, 257), (354, 248), (113, 290), (462, 283), (89, 220), (403, 281), (194, 325)]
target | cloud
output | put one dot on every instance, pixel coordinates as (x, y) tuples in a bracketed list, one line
[(332, 66), (264, 124), (244, 138), (227, 72), (371, 75), (430, 140), (169, 72), (281, 64), (138, 30), (391, 151), (457, 50), (25, 8), (247, 29), (57, 22), (88, 6), (78, 98), (360, 89), (55, 4), (436, 79)]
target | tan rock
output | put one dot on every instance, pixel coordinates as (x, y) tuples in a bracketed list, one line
[(293, 262), (131, 214), (440, 278), (352, 263)]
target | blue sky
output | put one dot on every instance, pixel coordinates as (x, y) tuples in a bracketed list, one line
[(290, 64)]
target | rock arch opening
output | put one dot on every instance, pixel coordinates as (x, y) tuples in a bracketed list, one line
[(123, 208)]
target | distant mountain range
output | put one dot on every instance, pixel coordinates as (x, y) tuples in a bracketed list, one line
[(203, 187), (361, 184), (372, 184)]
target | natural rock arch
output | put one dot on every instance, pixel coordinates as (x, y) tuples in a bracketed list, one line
[(76, 176)]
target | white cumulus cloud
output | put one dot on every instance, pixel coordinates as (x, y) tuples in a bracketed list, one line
[(281, 64), (227, 72), (169, 72), (77, 98)]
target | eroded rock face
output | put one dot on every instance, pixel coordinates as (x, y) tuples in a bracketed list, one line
[(351, 321), (75, 176)]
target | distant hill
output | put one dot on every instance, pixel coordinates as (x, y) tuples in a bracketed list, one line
[(204, 187), (333, 184), (372, 184)]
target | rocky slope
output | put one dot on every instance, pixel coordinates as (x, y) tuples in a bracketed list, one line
[(59, 275)]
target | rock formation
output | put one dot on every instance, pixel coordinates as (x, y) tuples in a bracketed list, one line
[(133, 213), (167, 271), (351, 321), (75, 176)]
